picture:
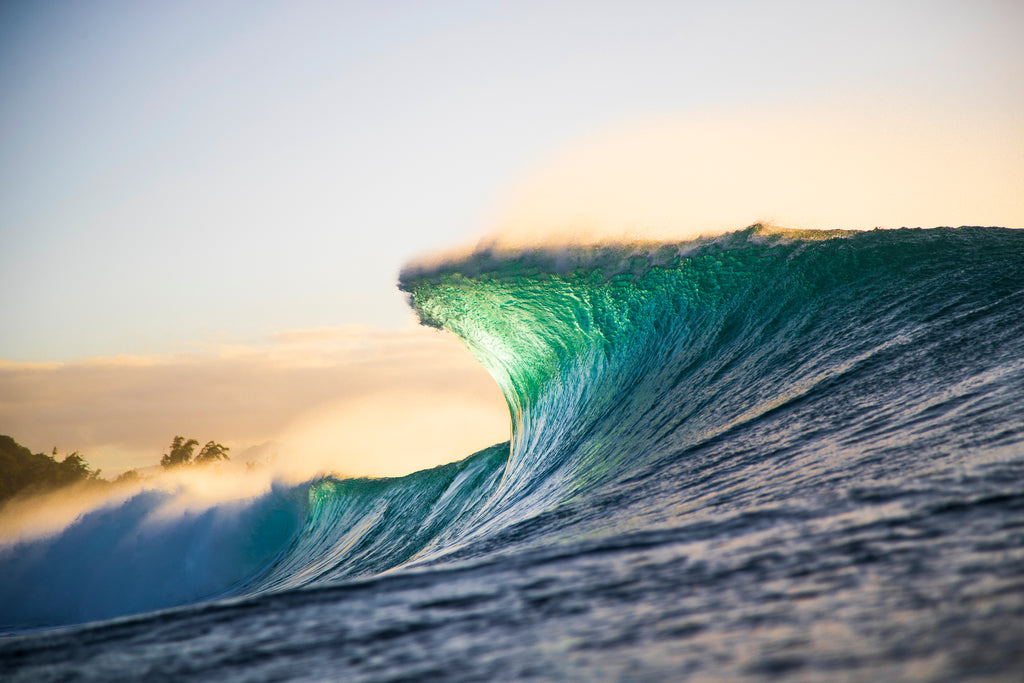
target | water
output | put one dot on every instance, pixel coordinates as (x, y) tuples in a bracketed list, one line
[(772, 454)]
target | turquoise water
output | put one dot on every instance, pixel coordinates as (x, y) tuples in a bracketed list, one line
[(769, 453)]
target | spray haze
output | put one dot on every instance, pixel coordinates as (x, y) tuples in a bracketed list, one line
[(269, 399), (675, 177)]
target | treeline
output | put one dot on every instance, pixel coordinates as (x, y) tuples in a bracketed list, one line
[(23, 472), (181, 453)]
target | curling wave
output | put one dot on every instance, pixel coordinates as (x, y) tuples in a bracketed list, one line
[(692, 392)]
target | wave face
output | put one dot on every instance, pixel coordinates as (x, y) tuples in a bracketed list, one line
[(150, 552), (769, 453)]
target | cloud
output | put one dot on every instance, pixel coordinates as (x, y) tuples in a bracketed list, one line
[(318, 390)]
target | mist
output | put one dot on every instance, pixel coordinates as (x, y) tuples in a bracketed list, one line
[(828, 165), (349, 400)]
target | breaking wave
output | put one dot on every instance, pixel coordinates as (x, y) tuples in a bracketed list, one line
[(708, 385)]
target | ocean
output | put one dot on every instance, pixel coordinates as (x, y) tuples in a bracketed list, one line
[(769, 454)]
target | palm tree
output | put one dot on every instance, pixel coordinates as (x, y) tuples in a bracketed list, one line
[(181, 453), (212, 452)]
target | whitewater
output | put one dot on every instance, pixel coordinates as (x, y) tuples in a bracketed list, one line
[(770, 453)]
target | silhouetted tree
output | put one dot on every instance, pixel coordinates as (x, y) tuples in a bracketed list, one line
[(74, 468), (25, 472), (212, 452), (181, 453)]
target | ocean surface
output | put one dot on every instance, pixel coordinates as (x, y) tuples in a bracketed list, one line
[(772, 454)]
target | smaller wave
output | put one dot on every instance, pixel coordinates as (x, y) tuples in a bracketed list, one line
[(144, 553), (159, 548), (359, 527)]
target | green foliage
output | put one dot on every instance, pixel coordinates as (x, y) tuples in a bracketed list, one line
[(181, 453), (212, 452), (25, 472), (22, 471)]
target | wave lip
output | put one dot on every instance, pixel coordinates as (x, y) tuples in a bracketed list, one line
[(608, 354)]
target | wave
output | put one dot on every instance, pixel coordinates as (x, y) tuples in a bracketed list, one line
[(635, 375), (610, 357)]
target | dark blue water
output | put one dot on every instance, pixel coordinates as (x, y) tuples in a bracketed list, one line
[(767, 455)]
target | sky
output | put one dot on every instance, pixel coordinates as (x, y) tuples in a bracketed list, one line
[(305, 402), (179, 179)]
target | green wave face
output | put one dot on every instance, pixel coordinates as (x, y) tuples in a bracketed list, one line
[(644, 382), (608, 355), (360, 527)]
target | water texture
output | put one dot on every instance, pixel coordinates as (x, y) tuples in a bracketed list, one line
[(768, 454)]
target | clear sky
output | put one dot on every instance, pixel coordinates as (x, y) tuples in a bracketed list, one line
[(176, 173)]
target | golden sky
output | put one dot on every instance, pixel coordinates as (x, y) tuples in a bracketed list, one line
[(350, 400), (811, 167)]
